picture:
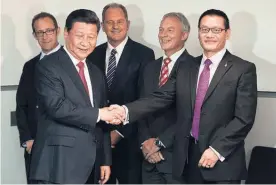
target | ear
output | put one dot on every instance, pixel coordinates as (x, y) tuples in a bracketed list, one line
[(34, 36), (228, 33), (128, 24), (58, 30), (185, 35), (65, 34), (102, 24)]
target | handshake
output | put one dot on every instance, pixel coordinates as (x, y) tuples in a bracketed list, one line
[(114, 114)]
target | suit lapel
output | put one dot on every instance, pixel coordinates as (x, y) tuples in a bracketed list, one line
[(122, 64), (95, 85), (156, 73), (70, 69), (223, 67), (193, 80)]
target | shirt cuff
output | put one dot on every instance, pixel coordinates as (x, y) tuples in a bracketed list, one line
[(221, 158), (120, 134), (127, 115), (99, 117)]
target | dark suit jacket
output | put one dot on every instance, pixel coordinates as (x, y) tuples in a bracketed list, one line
[(227, 115), (125, 86), (162, 123), (68, 135), (26, 111)]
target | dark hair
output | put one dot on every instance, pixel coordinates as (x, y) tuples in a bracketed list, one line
[(114, 5), (44, 15), (217, 13), (82, 15)]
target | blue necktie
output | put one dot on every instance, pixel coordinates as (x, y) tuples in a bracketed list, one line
[(111, 68)]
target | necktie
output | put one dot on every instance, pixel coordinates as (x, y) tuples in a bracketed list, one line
[(111, 68), (202, 88), (81, 73), (164, 76)]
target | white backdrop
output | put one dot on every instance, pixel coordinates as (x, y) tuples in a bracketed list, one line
[(253, 29)]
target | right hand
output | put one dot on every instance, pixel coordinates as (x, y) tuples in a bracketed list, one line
[(147, 145), (29, 145), (156, 157), (111, 115)]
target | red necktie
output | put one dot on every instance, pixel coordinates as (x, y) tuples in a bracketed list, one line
[(82, 76), (164, 76)]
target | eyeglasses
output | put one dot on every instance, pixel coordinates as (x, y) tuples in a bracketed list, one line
[(214, 30), (47, 32)]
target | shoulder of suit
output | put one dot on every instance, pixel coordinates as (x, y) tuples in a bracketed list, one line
[(239, 60), (139, 46), (32, 61), (51, 60)]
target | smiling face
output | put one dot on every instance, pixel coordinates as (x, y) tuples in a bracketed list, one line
[(115, 25), (171, 35), (81, 39), (46, 34), (214, 40)]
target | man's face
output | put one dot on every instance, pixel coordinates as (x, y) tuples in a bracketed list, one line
[(171, 35), (81, 39), (46, 34), (115, 25), (212, 34)]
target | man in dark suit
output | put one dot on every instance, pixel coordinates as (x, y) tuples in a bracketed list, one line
[(70, 144), (45, 31), (156, 132), (122, 60), (215, 109)]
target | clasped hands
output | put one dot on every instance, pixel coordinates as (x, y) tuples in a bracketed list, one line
[(114, 114), (151, 151)]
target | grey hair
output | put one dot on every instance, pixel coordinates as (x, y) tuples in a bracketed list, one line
[(114, 5), (184, 21)]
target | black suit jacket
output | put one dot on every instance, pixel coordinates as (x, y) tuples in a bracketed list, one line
[(227, 115), (68, 135), (26, 111), (160, 124)]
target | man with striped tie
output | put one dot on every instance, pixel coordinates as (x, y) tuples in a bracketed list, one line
[(121, 59)]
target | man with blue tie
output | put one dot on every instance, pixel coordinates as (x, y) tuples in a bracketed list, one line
[(45, 31), (122, 61)]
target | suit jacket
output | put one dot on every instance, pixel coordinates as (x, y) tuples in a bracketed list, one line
[(68, 136), (26, 111), (125, 86), (160, 124), (227, 114)]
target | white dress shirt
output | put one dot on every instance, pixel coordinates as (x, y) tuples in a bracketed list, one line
[(173, 58), (213, 67), (86, 74), (52, 51), (118, 55)]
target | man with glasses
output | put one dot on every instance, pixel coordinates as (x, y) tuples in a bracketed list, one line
[(216, 107), (45, 31), (122, 60)]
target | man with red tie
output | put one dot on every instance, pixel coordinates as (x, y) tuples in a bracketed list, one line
[(72, 144), (156, 132)]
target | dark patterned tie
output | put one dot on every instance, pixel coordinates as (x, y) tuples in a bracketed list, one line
[(202, 88), (111, 68)]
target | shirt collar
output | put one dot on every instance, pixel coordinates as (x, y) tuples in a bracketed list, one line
[(74, 60), (176, 55), (52, 51), (215, 58), (119, 48)]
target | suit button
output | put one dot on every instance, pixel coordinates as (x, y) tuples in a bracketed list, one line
[(36, 106), (108, 101)]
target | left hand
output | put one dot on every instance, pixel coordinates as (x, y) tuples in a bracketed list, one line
[(115, 138), (156, 158), (153, 150), (208, 159), (105, 174)]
